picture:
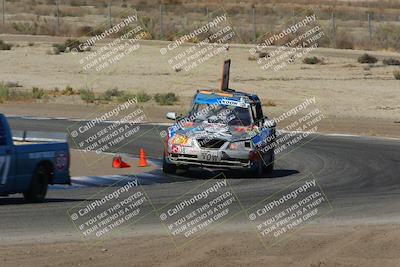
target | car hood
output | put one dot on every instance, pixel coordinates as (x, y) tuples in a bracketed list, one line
[(217, 130)]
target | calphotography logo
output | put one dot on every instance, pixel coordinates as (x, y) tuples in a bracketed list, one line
[(114, 209), (198, 211), (299, 125), (294, 43), (109, 131), (204, 43), (285, 212), (113, 44)]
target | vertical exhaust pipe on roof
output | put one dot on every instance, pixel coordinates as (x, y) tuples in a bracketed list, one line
[(225, 75)]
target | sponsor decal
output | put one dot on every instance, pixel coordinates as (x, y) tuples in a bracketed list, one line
[(235, 103), (39, 155), (61, 160)]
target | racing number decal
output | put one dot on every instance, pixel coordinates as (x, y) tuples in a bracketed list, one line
[(4, 167)]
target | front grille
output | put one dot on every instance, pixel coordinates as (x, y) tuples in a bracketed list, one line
[(210, 143), (226, 157)]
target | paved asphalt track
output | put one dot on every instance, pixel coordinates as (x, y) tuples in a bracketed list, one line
[(359, 175)]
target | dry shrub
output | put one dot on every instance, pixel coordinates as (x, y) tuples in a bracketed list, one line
[(396, 74), (391, 62), (367, 59), (84, 31), (388, 36), (72, 11), (5, 46), (44, 10), (262, 54), (269, 103), (313, 61), (344, 41)]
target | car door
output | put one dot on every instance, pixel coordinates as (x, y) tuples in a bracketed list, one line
[(6, 157), (260, 140)]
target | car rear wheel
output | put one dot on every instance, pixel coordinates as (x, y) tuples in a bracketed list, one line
[(38, 187), (168, 167)]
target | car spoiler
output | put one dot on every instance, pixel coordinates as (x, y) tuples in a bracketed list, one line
[(33, 136)]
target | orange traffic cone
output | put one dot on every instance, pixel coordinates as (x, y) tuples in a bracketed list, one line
[(125, 165), (119, 164), (142, 160), (116, 162)]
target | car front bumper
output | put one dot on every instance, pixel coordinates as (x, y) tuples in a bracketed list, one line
[(189, 160), (213, 158)]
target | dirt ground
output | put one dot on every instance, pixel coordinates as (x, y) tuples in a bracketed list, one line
[(343, 88), (314, 245)]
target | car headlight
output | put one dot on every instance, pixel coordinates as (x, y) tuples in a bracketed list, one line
[(181, 140), (242, 145)]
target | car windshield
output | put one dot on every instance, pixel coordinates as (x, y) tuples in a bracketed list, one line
[(224, 114)]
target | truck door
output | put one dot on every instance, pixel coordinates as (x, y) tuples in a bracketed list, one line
[(6, 156)]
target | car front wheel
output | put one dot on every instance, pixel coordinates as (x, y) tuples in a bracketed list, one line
[(168, 167), (257, 170)]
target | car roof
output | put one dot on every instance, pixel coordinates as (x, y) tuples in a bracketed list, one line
[(229, 93)]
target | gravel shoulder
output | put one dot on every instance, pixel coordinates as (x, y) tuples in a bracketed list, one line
[(314, 245)]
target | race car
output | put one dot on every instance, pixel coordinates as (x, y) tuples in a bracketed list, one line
[(224, 129)]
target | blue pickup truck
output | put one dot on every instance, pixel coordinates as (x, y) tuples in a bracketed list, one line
[(30, 168)]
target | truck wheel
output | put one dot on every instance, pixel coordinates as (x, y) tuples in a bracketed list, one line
[(38, 188), (167, 167)]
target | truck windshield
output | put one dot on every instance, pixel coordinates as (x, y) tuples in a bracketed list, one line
[(224, 114)]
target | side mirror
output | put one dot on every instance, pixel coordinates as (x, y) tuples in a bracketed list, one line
[(269, 123), (171, 115)]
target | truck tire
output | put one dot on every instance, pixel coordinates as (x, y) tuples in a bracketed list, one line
[(38, 187), (168, 168)]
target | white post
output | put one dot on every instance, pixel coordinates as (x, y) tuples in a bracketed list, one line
[(4, 11), (333, 28), (58, 16), (109, 14), (161, 22), (369, 26)]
